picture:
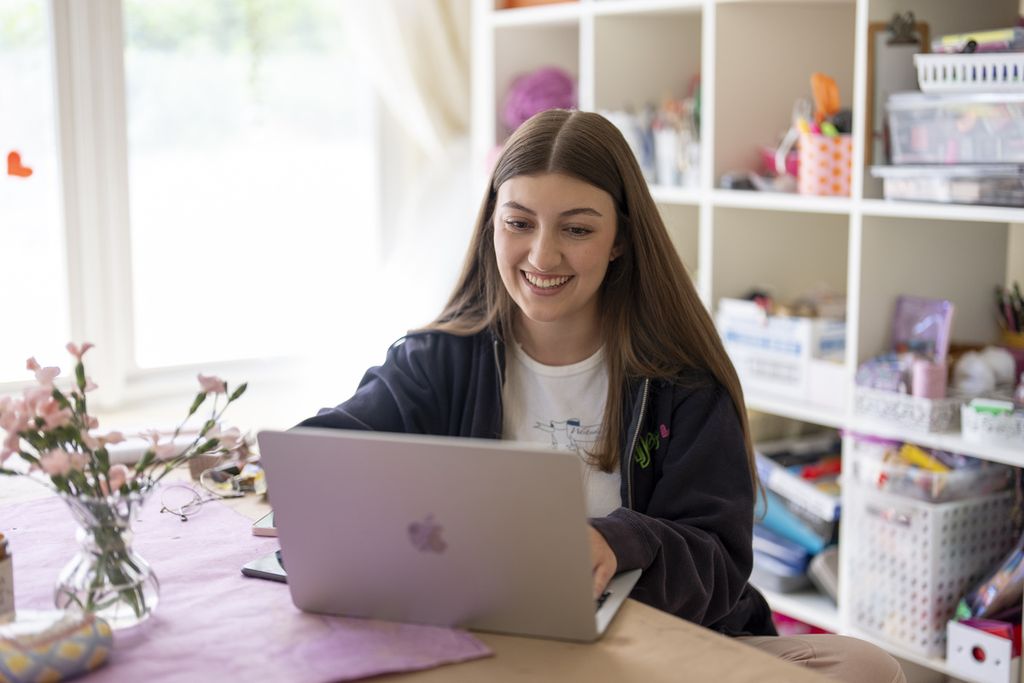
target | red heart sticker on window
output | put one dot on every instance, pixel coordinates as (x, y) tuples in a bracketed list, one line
[(15, 167)]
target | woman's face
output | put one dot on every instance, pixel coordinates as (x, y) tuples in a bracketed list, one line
[(554, 237)]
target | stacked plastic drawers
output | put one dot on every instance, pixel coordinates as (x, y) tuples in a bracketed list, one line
[(961, 139)]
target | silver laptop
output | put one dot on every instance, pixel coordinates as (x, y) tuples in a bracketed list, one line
[(476, 533)]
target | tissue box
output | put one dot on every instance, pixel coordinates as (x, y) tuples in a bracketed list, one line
[(980, 656)]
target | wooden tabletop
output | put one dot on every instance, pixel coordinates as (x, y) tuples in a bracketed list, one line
[(642, 643)]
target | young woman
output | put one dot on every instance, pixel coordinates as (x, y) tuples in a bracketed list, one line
[(574, 323)]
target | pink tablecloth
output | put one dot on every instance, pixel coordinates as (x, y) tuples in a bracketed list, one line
[(212, 623)]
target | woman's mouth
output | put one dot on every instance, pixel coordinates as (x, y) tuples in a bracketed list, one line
[(545, 284)]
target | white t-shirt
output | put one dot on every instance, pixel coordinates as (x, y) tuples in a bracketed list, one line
[(561, 406)]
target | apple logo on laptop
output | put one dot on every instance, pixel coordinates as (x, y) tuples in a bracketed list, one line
[(426, 536)]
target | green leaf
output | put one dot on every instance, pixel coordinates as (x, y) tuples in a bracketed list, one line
[(33, 460), (80, 376), (4, 472), (61, 482), (200, 397), (61, 399), (102, 459), (78, 479), (145, 460), (238, 392), (207, 426), (208, 446)]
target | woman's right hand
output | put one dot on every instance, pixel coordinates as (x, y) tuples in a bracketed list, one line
[(603, 562)]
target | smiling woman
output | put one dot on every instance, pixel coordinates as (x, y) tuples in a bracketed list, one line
[(574, 324), (552, 259)]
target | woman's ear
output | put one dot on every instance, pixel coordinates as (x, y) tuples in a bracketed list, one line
[(616, 252)]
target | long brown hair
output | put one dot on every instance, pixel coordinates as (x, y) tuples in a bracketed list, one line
[(653, 323)]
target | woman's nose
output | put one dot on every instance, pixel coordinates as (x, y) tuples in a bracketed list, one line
[(545, 254)]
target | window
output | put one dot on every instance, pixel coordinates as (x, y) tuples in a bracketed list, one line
[(32, 247), (250, 158), (249, 198)]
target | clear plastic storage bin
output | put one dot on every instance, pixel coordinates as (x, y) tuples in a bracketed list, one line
[(995, 185), (913, 561), (956, 128), (871, 471)]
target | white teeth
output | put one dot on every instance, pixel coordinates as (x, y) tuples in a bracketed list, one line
[(545, 282)]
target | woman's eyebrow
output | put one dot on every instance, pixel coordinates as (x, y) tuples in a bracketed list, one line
[(584, 211)]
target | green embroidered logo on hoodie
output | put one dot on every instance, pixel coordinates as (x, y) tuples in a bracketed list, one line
[(647, 445)]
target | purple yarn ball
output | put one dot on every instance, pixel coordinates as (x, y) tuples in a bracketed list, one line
[(543, 89)]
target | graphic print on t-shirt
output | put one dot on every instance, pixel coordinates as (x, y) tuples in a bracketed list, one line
[(570, 434)]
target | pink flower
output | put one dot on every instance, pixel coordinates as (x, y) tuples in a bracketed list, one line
[(89, 385), (36, 396), (10, 445), (163, 451), (210, 383), (117, 476), (55, 462), (32, 364), (97, 442), (112, 437), (53, 415), (45, 376), (79, 460), (228, 439), (78, 352), (90, 441)]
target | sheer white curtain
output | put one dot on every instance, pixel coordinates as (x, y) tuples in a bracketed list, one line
[(416, 54)]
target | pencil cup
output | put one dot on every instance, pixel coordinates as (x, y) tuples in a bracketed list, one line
[(928, 379), (825, 164)]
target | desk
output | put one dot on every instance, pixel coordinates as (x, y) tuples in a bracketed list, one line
[(642, 644)]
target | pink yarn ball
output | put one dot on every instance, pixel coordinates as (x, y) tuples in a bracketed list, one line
[(543, 89)]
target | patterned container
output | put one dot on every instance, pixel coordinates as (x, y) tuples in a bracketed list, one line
[(915, 560), (52, 646), (909, 412), (825, 164)]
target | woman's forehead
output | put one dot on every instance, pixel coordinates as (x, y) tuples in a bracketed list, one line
[(553, 191)]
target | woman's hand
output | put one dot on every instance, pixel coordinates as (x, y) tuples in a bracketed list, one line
[(602, 560)]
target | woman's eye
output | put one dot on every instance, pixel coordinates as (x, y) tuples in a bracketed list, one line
[(514, 224), (577, 231)]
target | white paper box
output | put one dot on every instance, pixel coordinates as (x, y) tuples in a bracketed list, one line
[(773, 353), (980, 656)]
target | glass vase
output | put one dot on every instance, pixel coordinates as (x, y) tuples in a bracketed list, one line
[(106, 576)]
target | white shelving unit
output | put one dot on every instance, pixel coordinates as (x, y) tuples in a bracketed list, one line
[(755, 58)]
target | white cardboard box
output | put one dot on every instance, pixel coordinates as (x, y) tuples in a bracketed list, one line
[(980, 656), (773, 354)]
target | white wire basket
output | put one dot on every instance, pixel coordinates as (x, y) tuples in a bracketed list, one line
[(976, 72), (915, 560)]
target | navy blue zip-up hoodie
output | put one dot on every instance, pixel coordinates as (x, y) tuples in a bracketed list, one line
[(687, 499)]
